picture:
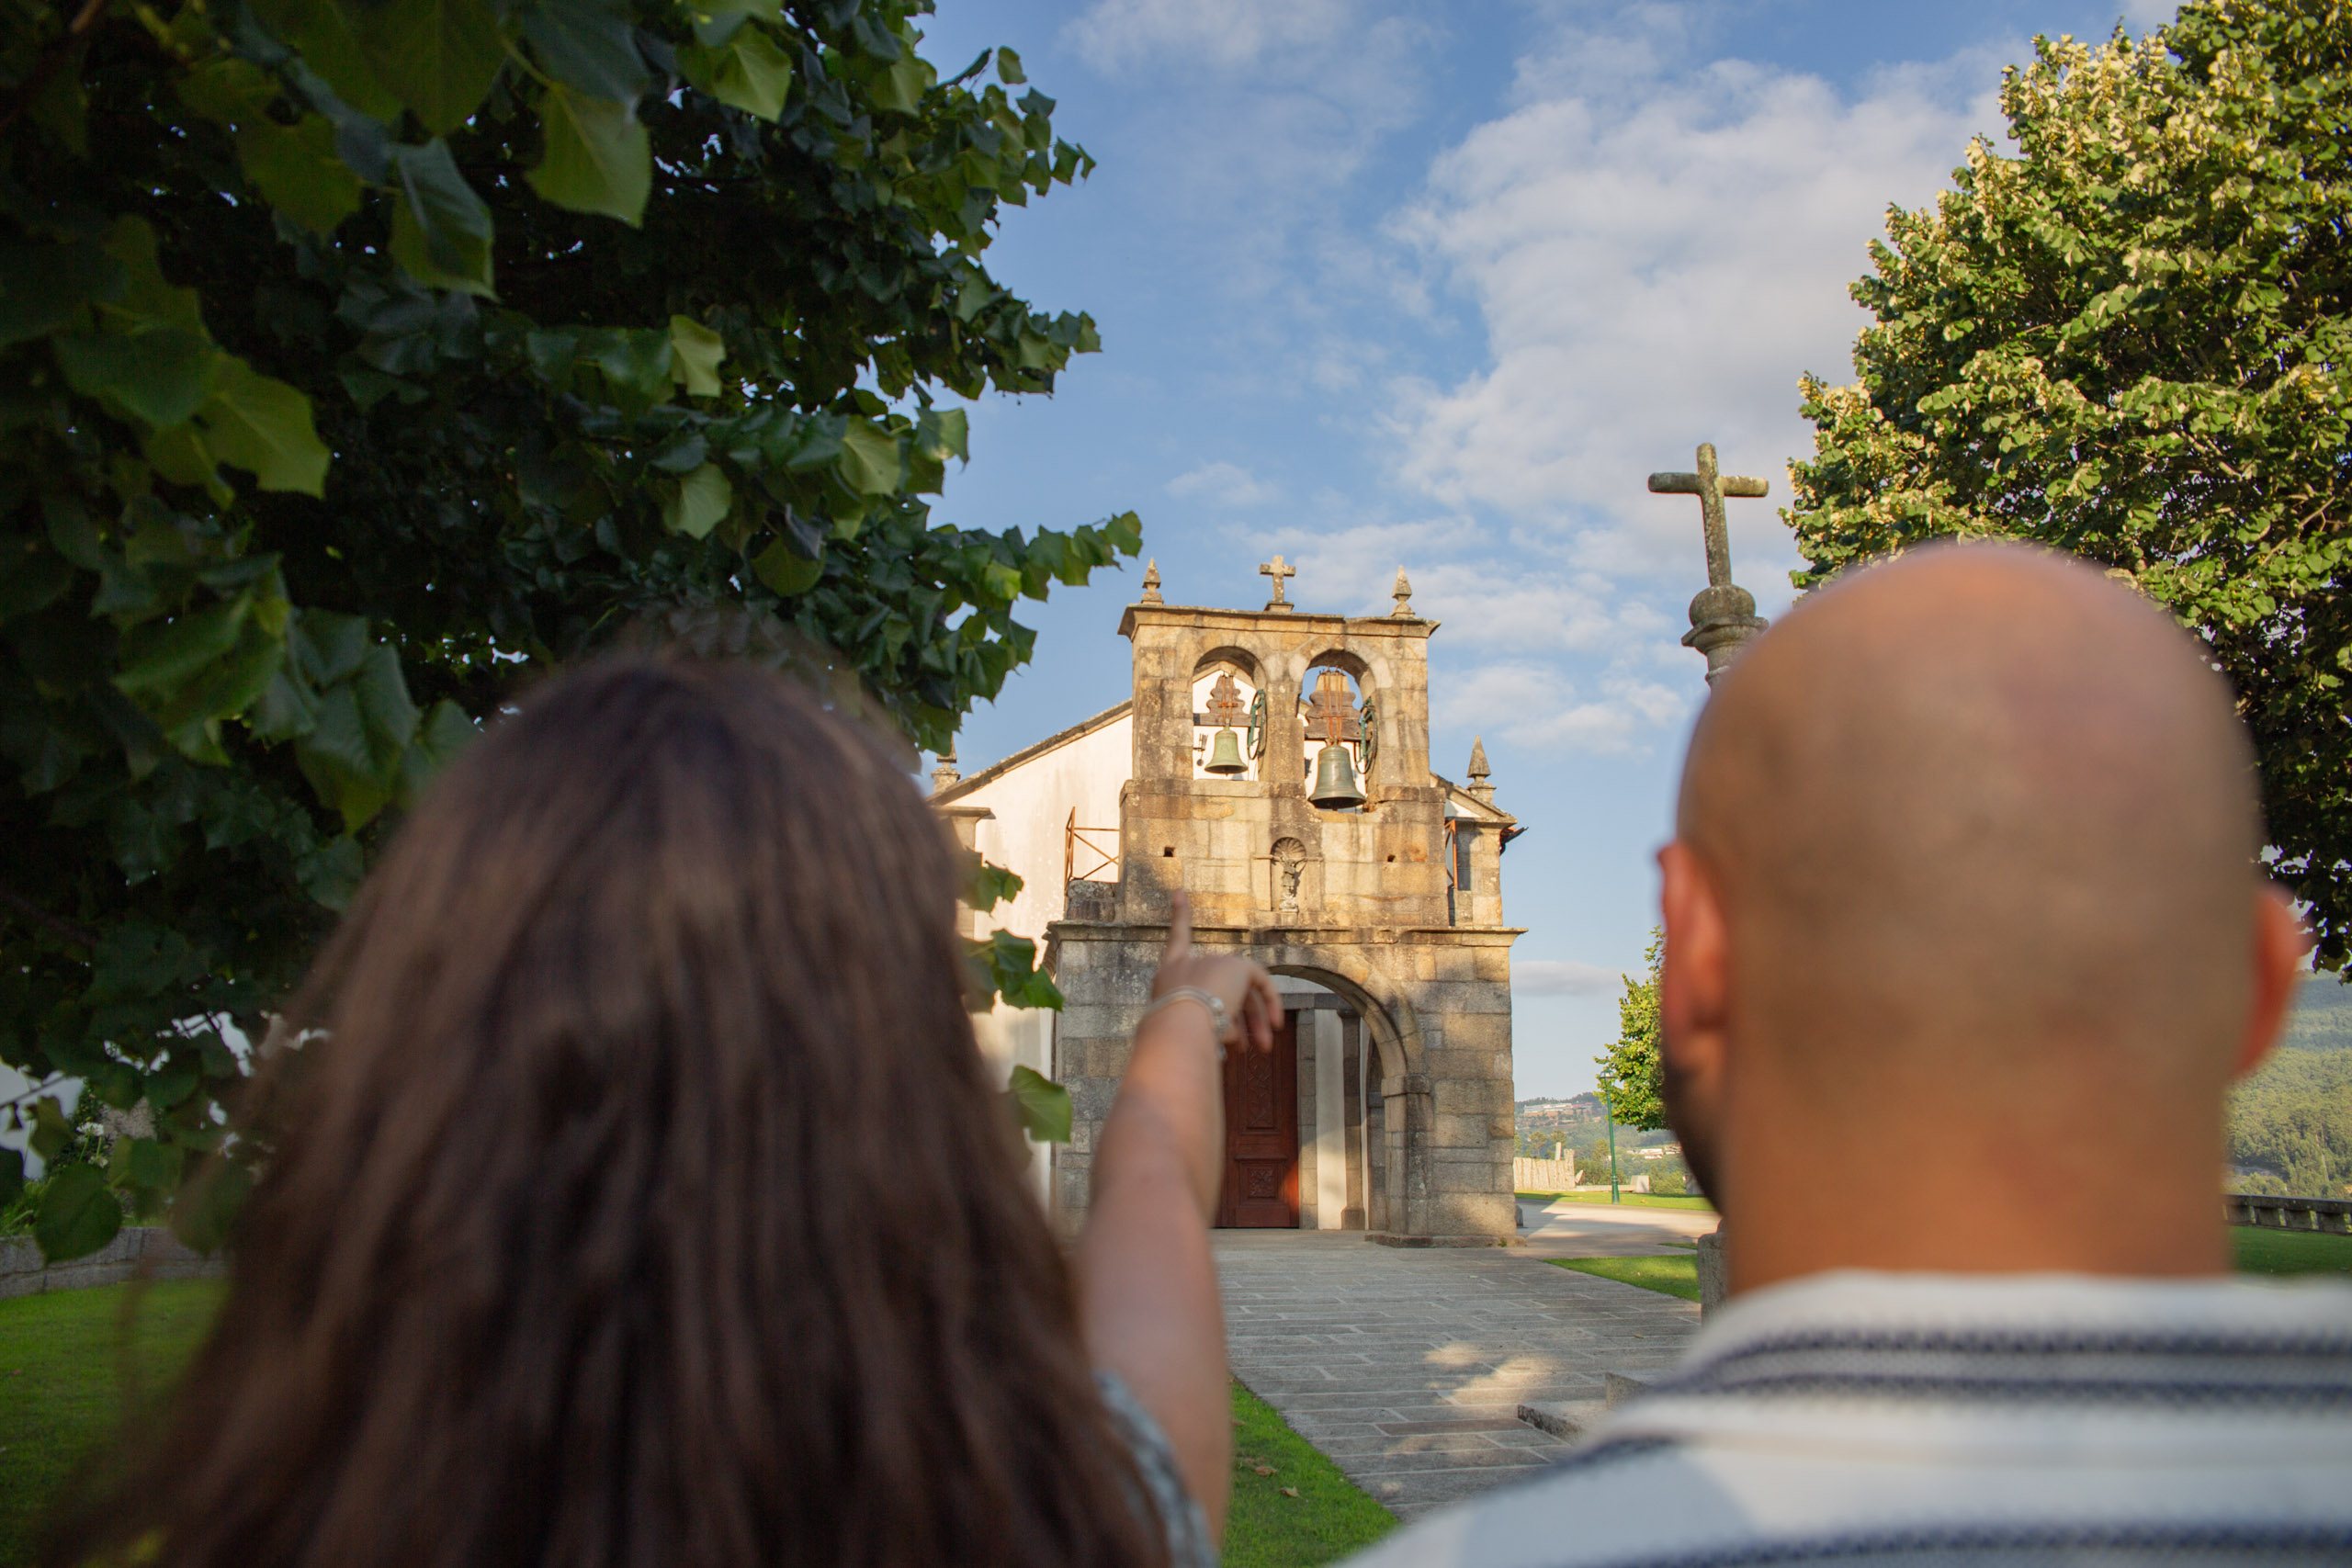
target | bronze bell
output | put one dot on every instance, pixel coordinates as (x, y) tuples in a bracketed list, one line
[(1225, 753), (1335, 779)]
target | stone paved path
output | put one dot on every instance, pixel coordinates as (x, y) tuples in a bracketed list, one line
[(1406, 1365)]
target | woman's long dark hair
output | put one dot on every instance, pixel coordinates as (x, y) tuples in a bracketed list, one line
[(645, 1199)]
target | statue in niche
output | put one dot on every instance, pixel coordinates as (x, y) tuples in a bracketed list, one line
[(1290, 867)]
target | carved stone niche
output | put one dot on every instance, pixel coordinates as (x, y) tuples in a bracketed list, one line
[(1289, 865)]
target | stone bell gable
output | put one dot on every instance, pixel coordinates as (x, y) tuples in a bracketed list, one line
[(1238, 720)]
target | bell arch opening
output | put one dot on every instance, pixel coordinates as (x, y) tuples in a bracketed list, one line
[(1228, 702)]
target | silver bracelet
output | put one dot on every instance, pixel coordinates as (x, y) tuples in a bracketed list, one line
[(1217, 1021)]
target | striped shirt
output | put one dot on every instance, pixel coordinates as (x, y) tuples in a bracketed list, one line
[(1917, 1419)]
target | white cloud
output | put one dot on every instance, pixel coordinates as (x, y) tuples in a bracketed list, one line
[(1228, 33), (1538, 706), (1655, 259), (1227, 484), (1563, 977)]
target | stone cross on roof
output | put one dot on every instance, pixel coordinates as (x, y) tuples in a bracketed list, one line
[(1275, 569), (1331, 718), (1226, 706), (1723, 616)]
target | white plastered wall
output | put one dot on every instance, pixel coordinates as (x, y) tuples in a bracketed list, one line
[(1031, 806)]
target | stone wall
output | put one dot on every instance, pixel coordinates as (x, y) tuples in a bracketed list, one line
[(149, 1249)]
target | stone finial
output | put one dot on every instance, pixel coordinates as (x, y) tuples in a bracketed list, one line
[(1479, 770), (1402, 593), (945, 775), (1151, 582)]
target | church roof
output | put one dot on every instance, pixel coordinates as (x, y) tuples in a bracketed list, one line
[(1078, 732)]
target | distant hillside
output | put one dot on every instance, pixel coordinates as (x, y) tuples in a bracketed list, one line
[(2323, 1019), (2291, 1123)]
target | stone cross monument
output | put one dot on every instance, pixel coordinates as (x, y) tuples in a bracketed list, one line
[(1723, 616)]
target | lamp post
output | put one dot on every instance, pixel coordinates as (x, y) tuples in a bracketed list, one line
[(1609, 1116)]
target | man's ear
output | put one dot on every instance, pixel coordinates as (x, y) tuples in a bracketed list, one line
[(1694, 980), (2280, 945)]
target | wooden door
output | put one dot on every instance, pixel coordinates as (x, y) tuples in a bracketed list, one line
[(1261, 1190)]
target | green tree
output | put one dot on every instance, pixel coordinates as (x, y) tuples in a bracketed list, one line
[(2132, 342), (1630, 1070), (360, 359)]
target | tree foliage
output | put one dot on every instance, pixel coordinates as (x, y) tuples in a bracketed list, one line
[(360, 359), (2132, 342), (1632, 1068)]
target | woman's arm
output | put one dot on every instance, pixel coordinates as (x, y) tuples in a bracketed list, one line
[(1147, 1291)]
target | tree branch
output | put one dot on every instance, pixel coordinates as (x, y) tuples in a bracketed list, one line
[(81, 935)]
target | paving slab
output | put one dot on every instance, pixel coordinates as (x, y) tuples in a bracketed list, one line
[(1407, 1366)]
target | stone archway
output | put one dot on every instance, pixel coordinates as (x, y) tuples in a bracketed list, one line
[(1396, 1168)]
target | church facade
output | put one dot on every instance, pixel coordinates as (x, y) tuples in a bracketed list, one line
[(1274, 764)]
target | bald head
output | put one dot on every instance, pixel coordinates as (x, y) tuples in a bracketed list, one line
[(1981, 801)]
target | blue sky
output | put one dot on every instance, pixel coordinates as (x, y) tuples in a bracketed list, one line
[(1437, 286)]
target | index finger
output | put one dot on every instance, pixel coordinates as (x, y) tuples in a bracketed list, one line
[(1180, 930)]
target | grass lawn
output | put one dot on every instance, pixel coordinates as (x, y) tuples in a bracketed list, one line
[(1677, 1274), (2291, 1252), (2258, 1252), (1630, 1199), (1291, 1506), (59, 1394), (60, 1389)]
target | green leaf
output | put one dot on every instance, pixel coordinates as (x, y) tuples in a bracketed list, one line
[(227, 90), (703, 499), (77, 1215), (364, 723), (444, 732), (160, 376), (1043, 1105), (177, 453), (332, 873), (748, 72), (160, 655), (322, 32), (439, 56), (942, 434), (1008, 68), (12, 1176), (718, 22), (441, 229), (51, 1132), (43, 287), (785, 571), (588, 45), (695, 355), (598, 157), (298, 171), (207, 1209), (143, 1162), (902, 87), (636, 364), (869, 464), (988, 885), (264, 426)]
